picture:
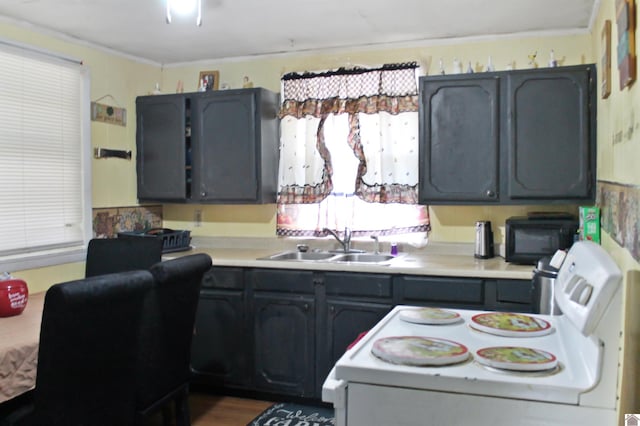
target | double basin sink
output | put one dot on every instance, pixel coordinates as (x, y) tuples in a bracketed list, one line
[(331, 257)]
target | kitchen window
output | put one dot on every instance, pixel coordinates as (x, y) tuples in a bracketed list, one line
[(45, 202), (349, 154)]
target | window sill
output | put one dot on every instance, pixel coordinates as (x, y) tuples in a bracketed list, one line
[(42, 259)]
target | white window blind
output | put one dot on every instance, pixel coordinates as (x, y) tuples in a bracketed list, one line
[(44, 201)]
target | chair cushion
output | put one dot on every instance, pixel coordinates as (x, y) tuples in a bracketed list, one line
[(110, 255), (165, 346), (88, 350)]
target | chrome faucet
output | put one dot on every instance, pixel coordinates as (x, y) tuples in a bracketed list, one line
[(377, 244), (346, 242)]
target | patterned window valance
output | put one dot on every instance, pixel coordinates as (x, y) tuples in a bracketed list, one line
[(350, 133)]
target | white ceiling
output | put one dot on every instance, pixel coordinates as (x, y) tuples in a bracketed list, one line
[(240, 28)]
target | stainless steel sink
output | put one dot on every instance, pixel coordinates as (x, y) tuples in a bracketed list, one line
[(330, 257), (363, 258), (300, 256)]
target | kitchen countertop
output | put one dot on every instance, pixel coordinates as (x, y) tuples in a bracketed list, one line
[(434, 260)]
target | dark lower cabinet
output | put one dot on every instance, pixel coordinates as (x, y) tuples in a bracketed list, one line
[(220, 351), (221, 354), (284, 343), (463, 293), (509, 295), (283, 312), (280, 331), (354, 303), (345, 321)]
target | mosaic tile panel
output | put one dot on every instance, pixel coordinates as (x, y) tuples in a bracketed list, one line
[(108, 222), (620, 214)]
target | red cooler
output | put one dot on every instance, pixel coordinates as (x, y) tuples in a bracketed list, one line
[(13, 297)]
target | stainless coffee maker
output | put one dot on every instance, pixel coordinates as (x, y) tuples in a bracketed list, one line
[(484, 240)]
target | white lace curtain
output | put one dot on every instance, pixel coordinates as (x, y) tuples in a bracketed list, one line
[(349, 153)]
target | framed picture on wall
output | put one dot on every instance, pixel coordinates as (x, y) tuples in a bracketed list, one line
[(209, 80), (605, 60), (626, 23)]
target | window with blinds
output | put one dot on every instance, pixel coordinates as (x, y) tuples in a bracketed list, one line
[(45, 204)]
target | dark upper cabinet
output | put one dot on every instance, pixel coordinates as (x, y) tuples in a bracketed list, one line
[(512, 137), (459, 145), (160, 139), (211, 147), (551, 134)]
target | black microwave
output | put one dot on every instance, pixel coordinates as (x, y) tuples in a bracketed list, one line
[(527, 239)]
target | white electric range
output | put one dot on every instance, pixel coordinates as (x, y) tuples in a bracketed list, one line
[(575, 383)]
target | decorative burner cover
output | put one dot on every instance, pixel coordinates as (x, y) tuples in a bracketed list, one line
[(516, 358), (419, 351), (429, 316), (510, 324)]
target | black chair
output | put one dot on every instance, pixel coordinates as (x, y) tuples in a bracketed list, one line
[(109, 255), (165, 345), (88, 352)]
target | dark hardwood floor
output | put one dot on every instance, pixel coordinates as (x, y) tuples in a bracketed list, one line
[(216, 410), (206, 409)]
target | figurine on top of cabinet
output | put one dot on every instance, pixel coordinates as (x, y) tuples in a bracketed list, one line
[(490, 67), (552, 60), (457, 66), (470, 69)]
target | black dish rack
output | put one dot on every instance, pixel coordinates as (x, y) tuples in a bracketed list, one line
[(172, 241)]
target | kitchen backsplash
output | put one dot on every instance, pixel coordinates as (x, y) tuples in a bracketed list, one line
[(107, 222), (620, 206), (620, 217)]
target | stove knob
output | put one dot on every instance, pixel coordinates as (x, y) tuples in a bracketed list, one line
[(585, 295)]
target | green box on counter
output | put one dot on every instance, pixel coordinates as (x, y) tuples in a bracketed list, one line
[(590, 224)]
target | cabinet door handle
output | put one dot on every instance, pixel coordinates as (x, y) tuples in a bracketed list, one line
[(490, 193), (306, 306)]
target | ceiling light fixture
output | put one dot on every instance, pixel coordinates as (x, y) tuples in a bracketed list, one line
[(184, 7)]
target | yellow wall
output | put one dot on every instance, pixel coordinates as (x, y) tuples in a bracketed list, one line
[(124, 79), (618, 162), (114, 180), (451, 224)]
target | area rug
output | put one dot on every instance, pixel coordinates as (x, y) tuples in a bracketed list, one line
[(287, 414)]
